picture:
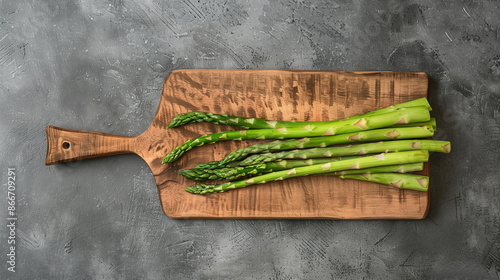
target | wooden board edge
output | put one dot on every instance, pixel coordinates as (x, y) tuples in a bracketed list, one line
[(367, 218), (361, 72)]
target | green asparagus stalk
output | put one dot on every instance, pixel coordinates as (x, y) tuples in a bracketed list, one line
[(193, 117), (358, 163), (359, 149), (400, 116), (263, 148), (227, 173), (431, 122), (205, 167), (232, 173), (325, 141), (294, 162), (401, 168), (216, 165), (402, 181)]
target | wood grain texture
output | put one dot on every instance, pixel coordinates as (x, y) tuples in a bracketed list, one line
[(270, 94), (64, 145)]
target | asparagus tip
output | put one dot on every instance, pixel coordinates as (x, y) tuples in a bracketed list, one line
[(193, 189), (200, 189), (189, 174)]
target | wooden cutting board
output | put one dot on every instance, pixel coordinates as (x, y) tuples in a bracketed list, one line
[(269, 94)]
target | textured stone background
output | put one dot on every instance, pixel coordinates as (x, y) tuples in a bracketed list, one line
[(99, 65)]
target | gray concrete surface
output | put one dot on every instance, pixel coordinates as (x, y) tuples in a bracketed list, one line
[(99, 65)]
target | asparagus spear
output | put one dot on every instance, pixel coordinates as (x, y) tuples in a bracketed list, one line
[(192, 117), (325, 141), (359, 149), (431, 122), (402, 181), (401, 168), (267, 147), (400, 116), (216, 165), (228, 173), (205, 167), (359, 163), (231, 173)]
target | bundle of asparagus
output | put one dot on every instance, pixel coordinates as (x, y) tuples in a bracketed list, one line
[(391, 148)]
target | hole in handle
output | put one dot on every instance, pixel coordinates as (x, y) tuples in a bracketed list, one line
[(66, 145)]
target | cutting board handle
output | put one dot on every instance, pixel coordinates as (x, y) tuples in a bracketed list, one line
[(65, 145)]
